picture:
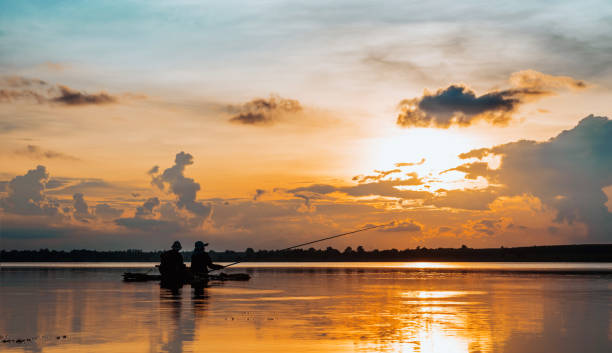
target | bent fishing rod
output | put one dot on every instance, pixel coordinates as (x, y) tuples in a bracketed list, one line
[(315, 241)]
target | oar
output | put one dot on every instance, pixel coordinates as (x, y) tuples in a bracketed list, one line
[(315, 241)]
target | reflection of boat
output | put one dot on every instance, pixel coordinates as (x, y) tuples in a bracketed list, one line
[(143, 277)]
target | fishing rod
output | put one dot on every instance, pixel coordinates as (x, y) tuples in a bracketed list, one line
[(314, 241)]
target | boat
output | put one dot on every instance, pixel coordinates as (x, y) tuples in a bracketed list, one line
[(144, 277)]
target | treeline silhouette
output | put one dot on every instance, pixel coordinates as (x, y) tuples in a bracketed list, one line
[(565, 253)]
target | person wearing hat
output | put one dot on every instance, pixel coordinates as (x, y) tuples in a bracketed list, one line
[(201, 261), (172, 266)]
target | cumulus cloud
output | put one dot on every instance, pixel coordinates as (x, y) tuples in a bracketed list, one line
[(26, 194), (185, 189), (567, 173), (459, 105), (147, 208), (263, 111), (36, 152), (81, 210)]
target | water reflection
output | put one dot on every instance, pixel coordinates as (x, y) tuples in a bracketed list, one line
[(308, 310)]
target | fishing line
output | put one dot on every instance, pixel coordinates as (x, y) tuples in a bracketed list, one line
[(315, 241)]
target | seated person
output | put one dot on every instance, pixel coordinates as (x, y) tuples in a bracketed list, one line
[(201, 261), (172, 261)]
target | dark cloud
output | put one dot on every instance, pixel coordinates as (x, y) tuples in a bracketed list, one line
[(81, 210), (471, 170), (458, 105), (262, 111), (384, 188), (467, 199), (36, 152), (149, 225), (69, 96), (258, 194), (147, 208), (107, 212), (567, 173), (185, 189), (26, 194), (403, 226), (56, 183), (487, 226), (32, 89)]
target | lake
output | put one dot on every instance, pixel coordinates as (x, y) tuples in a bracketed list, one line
[(311, 307)]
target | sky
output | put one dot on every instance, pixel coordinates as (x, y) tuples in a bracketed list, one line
[(263, 124)]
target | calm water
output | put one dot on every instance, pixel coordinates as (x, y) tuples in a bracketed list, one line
[(322, 307)]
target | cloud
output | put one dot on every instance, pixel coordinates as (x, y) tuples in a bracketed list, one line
[(262, 111), (185, 189), (22, 88), (36, 152), (486, 226), (19, 81), (468, 199), (81, 210), (146, 210), (26, 194), (107, 212), (567, 173), (403, 226), (540, 81), (471, 170), (11, 95), (149, 225), (399, 165), (380, 175), (258, 194), (69, 96), (459, 105), (383, 188)]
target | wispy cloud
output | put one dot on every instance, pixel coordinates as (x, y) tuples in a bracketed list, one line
[(36, 152), (32, 89)]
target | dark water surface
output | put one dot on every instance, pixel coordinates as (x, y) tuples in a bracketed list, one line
[(322, 307)]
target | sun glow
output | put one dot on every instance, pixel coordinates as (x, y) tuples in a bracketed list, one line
[(439, 149)]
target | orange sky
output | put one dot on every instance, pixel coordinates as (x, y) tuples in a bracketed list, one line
[(338, 119)]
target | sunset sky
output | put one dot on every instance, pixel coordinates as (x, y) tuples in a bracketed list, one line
[(130, 124)]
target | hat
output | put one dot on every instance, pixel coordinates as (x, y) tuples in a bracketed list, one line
[(176, 245), (200, 245)]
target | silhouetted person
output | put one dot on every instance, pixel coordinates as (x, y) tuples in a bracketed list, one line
[(172, 267), (201, 261)]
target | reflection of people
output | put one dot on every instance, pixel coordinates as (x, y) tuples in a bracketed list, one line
[(172, 267), (201, 261)]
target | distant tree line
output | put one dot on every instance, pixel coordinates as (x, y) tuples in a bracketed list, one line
[(575, 253)]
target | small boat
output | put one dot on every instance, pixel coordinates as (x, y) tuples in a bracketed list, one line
[(143, 277)]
